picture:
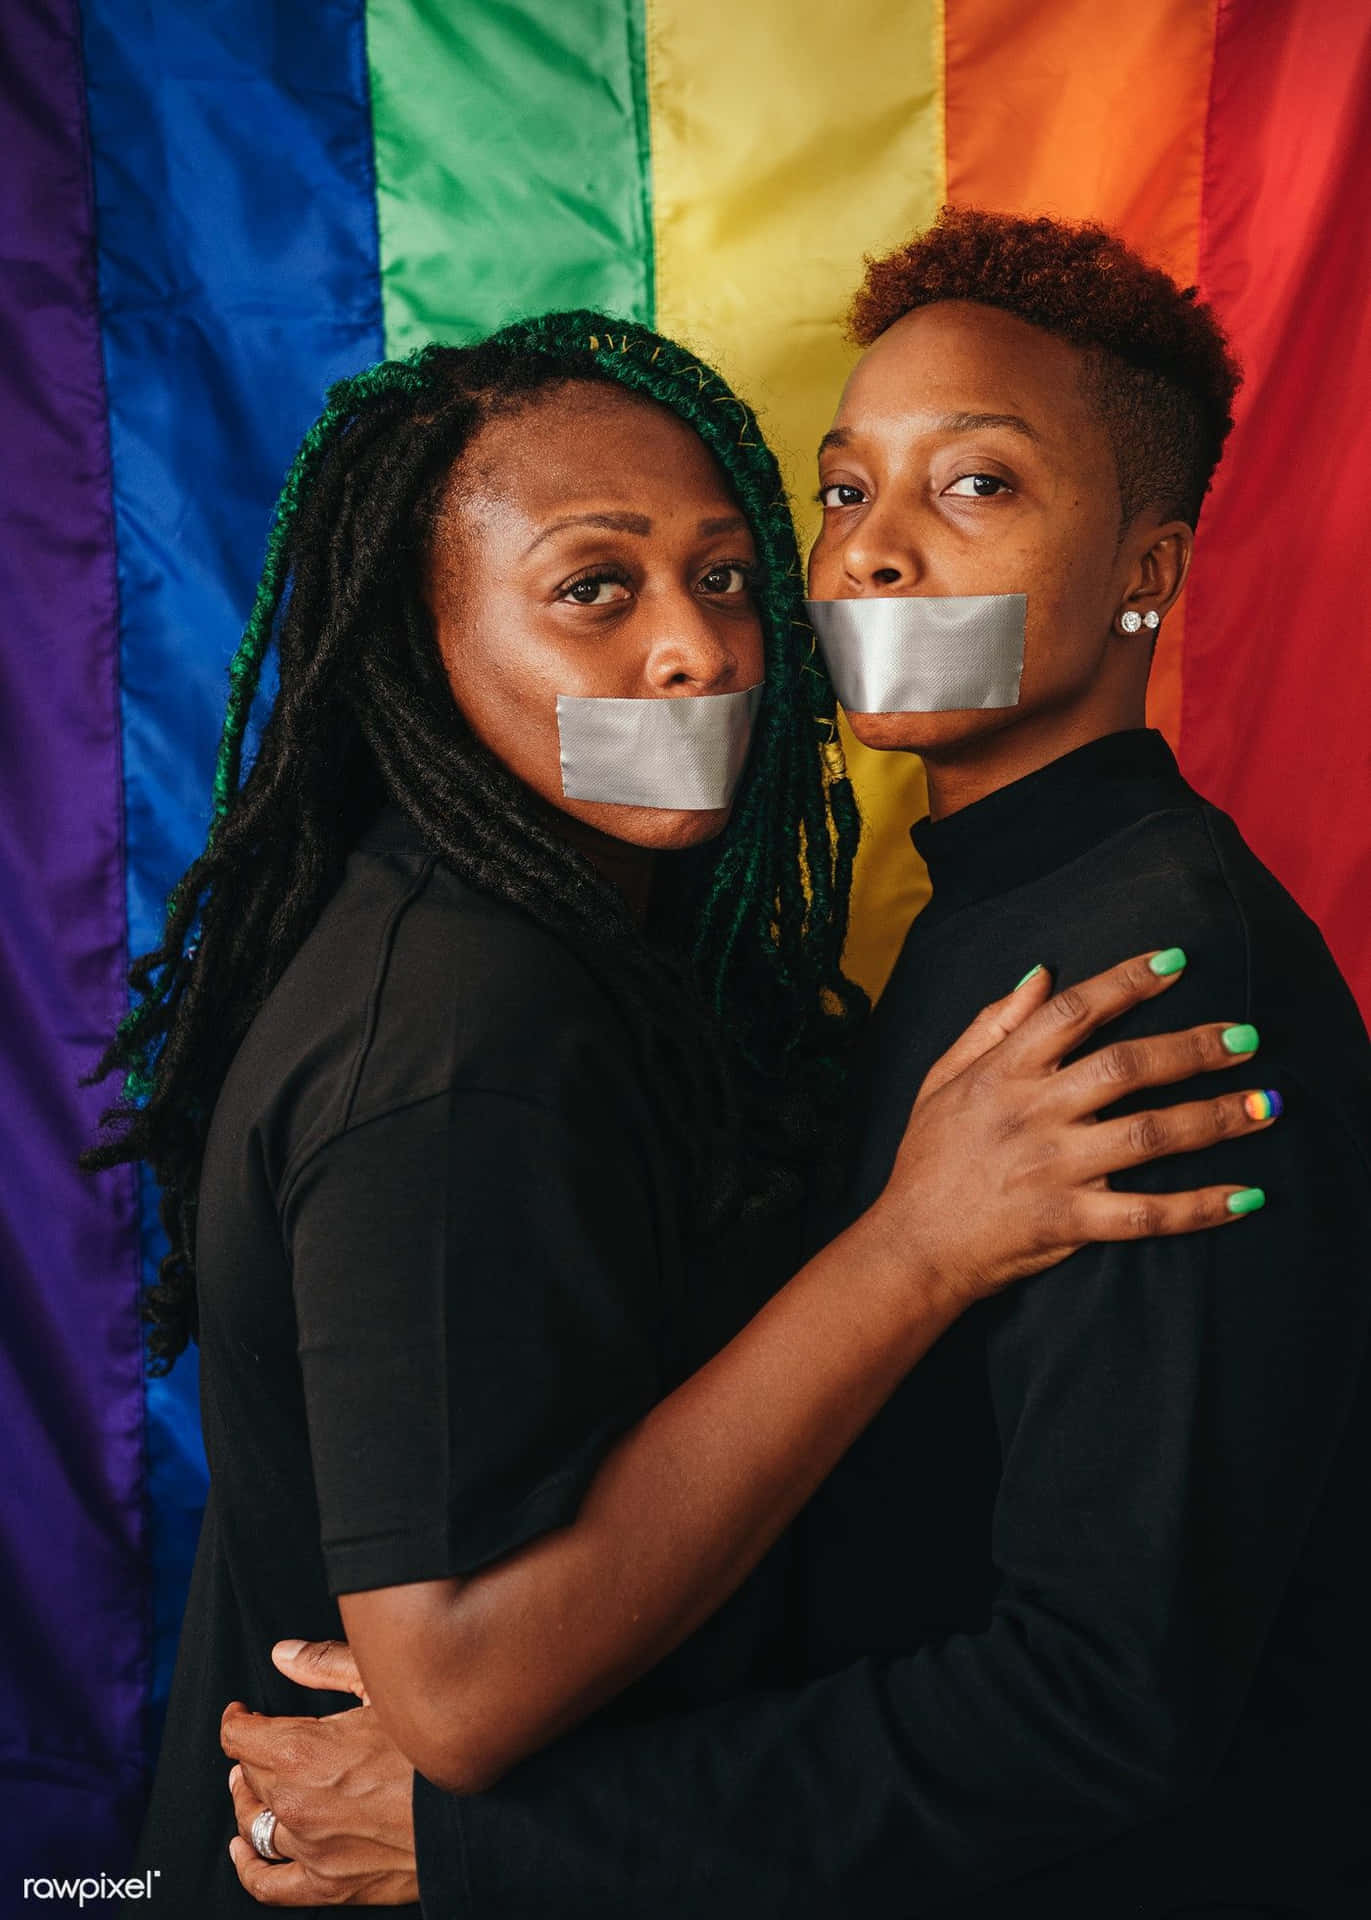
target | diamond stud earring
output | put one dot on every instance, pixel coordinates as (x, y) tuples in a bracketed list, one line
[(1130, 621), (1152, 619)]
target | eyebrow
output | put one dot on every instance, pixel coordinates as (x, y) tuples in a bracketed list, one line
[(613, 522), (638, 523), (968, 422), (948, 423)]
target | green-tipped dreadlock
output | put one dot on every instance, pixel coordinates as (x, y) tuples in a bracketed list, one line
[(753, 996), (345, 398)]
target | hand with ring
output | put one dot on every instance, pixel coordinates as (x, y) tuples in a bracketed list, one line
[(323, 1805)]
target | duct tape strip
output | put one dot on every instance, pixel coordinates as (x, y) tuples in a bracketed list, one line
[(684, 752), (925, 653)]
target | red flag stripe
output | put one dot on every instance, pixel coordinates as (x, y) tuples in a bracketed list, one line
[(1276, 715)]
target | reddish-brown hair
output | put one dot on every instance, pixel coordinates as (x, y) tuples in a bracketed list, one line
[(1157, 361)]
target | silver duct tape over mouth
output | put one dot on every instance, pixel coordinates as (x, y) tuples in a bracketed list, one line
[(683, 753), (924, 653)]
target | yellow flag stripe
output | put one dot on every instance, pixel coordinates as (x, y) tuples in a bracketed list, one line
[(785, 146)]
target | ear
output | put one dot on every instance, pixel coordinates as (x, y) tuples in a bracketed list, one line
[(1155, 577)]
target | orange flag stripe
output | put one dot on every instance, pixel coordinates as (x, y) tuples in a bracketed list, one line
[(1088, 112)]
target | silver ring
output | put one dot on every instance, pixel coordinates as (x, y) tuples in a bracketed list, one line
[(264, 1834)]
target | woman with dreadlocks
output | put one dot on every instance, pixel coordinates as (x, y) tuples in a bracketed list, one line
[(489, 1000)]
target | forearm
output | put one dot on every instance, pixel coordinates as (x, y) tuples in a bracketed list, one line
[(997, 1176), (682, 1509), (906, 1786)]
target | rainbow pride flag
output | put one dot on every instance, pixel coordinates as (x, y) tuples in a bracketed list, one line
[(211, 208)]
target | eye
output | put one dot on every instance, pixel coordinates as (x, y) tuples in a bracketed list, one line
[(979, 486), (846, 496), (595, 590), (730, 576)]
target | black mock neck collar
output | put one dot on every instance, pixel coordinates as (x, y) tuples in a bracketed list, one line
[(1028, 829)]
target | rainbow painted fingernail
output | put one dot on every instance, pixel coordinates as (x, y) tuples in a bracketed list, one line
[(1264, 1106)]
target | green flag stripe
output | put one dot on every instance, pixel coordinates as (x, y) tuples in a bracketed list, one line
[(512, 163)]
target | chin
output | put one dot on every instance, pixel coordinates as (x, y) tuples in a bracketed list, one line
[(657, 829), (929, 733), (667, 832)]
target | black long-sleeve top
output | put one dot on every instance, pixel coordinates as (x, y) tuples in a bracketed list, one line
[(1087, 1606)]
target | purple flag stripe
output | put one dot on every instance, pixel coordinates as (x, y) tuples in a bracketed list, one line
[(236, 239), (73, 1633)]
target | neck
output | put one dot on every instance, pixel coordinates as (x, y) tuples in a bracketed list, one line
[(630, 869), (960, 775), (1047, 819)]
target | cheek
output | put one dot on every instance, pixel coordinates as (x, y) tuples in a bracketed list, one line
[(751, 655), (1068, 622), (825, 568), (508, 696)]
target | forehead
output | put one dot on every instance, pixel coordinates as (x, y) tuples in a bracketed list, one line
[(588, 440), (959, 357)]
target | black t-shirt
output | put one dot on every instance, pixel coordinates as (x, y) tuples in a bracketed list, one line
[(439, 1269), (1087, 1601)]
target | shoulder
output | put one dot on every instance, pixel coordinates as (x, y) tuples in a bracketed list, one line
[(1226, 895), (1187, 878), (414, 986), (471, 992), (1298, 994), (1168, 866)]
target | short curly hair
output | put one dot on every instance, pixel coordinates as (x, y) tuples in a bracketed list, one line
[(1158, 364)]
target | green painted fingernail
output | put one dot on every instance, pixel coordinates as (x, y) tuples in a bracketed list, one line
[(1168, 963), (1250, 1200), (1032, 971), (1242, 1039)]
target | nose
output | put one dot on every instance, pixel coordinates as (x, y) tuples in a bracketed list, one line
[(881, 554), (690, 652)]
